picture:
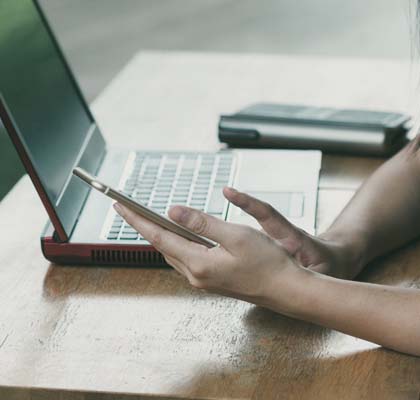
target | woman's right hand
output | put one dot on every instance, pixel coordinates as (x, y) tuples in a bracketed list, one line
[(319, 254)]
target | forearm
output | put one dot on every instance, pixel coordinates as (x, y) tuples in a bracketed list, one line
[(385, 212), (388, 316)]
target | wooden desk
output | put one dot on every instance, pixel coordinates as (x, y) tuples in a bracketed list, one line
[(71, 332)]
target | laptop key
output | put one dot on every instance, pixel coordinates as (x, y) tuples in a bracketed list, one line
[(158, 181), (180, 197), (182, 192), (129, 230), (159, 202), (129, 236)]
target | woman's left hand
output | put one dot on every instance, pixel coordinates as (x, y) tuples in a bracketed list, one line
[(247, 264)]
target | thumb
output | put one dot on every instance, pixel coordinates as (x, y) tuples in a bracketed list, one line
[(268, 217)]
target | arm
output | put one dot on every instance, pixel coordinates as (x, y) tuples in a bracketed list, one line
[(386, 315), (385, 212), (279, 267)]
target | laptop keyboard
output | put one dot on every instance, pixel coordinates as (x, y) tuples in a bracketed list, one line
[(160, 180)]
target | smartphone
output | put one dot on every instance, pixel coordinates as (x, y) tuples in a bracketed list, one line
[(141, 209)]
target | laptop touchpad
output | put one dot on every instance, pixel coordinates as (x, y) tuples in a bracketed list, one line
[(289, 204)]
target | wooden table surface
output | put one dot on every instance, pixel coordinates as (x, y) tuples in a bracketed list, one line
[(129, 333)]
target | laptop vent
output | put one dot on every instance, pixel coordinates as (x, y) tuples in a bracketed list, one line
[(147, 258)]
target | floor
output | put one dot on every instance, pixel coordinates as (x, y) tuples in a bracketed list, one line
[(100, 36)]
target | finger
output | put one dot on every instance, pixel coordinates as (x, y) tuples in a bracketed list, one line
[(203, 224), (176, 264), (161, 239), (270, 220), (183, 270)]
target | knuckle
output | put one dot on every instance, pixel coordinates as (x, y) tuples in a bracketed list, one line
[(242, 198), (199, 225), (269, 209), (245, 202), (155, 239)]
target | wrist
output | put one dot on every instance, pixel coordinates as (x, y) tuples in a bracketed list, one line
[(288, 291)]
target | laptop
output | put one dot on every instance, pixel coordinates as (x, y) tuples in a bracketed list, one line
[(53, 130)]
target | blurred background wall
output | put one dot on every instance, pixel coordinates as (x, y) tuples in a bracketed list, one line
[(100, 36)]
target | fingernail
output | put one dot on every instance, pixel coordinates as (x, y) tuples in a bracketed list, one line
[(232, 189), (118, 209)]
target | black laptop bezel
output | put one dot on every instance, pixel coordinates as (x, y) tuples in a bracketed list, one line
[(65, 213)]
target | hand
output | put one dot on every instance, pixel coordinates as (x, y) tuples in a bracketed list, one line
[(248, 264), (319, 254)]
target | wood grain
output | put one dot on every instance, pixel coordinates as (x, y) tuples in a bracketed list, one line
[(127, 333)]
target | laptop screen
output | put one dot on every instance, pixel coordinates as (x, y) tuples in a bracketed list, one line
[(36, 87), (48, 112)]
